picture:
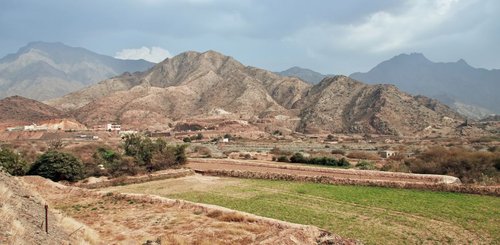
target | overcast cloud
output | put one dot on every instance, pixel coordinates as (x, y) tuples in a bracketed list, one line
[(330, 36)]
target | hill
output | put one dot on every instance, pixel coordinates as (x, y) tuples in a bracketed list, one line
[(212, 85), (42, 70), (307, 75), (341, 104), (20, 109), (471, 91)]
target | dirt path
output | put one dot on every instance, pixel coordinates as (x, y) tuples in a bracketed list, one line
[(281, 168)]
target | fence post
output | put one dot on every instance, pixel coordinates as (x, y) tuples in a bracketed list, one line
[(46, 218)]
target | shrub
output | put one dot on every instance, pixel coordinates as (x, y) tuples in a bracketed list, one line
[(468, 165), (57, 166), (365, 165), (363, 155), (199, 136), (298, 158), (326, 161), (338, 151), (12, 162), (186, 140), (282, 159)]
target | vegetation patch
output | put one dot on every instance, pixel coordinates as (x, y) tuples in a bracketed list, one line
[(372, 214)]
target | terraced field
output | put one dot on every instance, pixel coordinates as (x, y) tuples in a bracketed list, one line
[(371, 214)]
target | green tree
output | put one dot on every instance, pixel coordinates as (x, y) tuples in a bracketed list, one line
[(58, 166), (12, 162)]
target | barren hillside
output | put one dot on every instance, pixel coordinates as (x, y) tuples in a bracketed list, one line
[(202, 85)]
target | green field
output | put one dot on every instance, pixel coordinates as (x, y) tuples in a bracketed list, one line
[(370, 214)]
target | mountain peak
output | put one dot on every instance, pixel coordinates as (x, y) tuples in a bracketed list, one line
[(412, 57)]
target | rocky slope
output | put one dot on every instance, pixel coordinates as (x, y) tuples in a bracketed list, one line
[(471, 91), (191, 84), (43, 70), (209, 84), (17, 108), (340, 104)]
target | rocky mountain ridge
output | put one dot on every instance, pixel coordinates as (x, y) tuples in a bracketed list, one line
[(42, 70), (196, 85), (470, 91)]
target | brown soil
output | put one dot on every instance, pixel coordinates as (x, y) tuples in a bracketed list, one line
[(134, 219), (22, 217)]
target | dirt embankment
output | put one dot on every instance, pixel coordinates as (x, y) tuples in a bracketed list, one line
[(253, 169), (22, 218), (136, 218), (94, 183)]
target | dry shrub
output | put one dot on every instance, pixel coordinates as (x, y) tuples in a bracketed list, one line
[(232, 217), (80, 232), (338, 152), (278, 152), (203, 150), (468, 165), (363, 155)]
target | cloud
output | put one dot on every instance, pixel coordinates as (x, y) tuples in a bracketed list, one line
[(155, 54), (384, 31)]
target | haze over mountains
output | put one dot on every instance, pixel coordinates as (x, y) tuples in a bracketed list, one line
[(307, 75), (471, 91), (209, 84), (42, 70)]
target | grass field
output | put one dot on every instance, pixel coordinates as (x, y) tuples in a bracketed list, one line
[(370, 214)]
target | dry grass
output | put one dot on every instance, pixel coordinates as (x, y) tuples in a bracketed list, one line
[(131, 218), (363, 155)]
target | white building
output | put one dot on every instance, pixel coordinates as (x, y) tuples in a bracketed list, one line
[(113, 127)]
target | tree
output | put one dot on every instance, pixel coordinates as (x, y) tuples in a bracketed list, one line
[(298, 158), (58, 166), (12, 162)]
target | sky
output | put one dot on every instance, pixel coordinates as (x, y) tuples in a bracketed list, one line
[(329, 36)]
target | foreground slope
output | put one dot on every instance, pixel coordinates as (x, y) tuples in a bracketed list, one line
[(134, 219), (209, 84), (42, 70), (22, 218)]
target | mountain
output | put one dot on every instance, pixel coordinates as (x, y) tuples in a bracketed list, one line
[(340, 104), (211, 85), (471, 91), (307, 75), (42, 70)]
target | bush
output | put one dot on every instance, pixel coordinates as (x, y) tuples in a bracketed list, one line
[(298, 158), (339, 152), (12, 163), (282, 159), (186, 140), (363, 155), (468, 165), (365, 165), (57, 166), (326, 161)]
